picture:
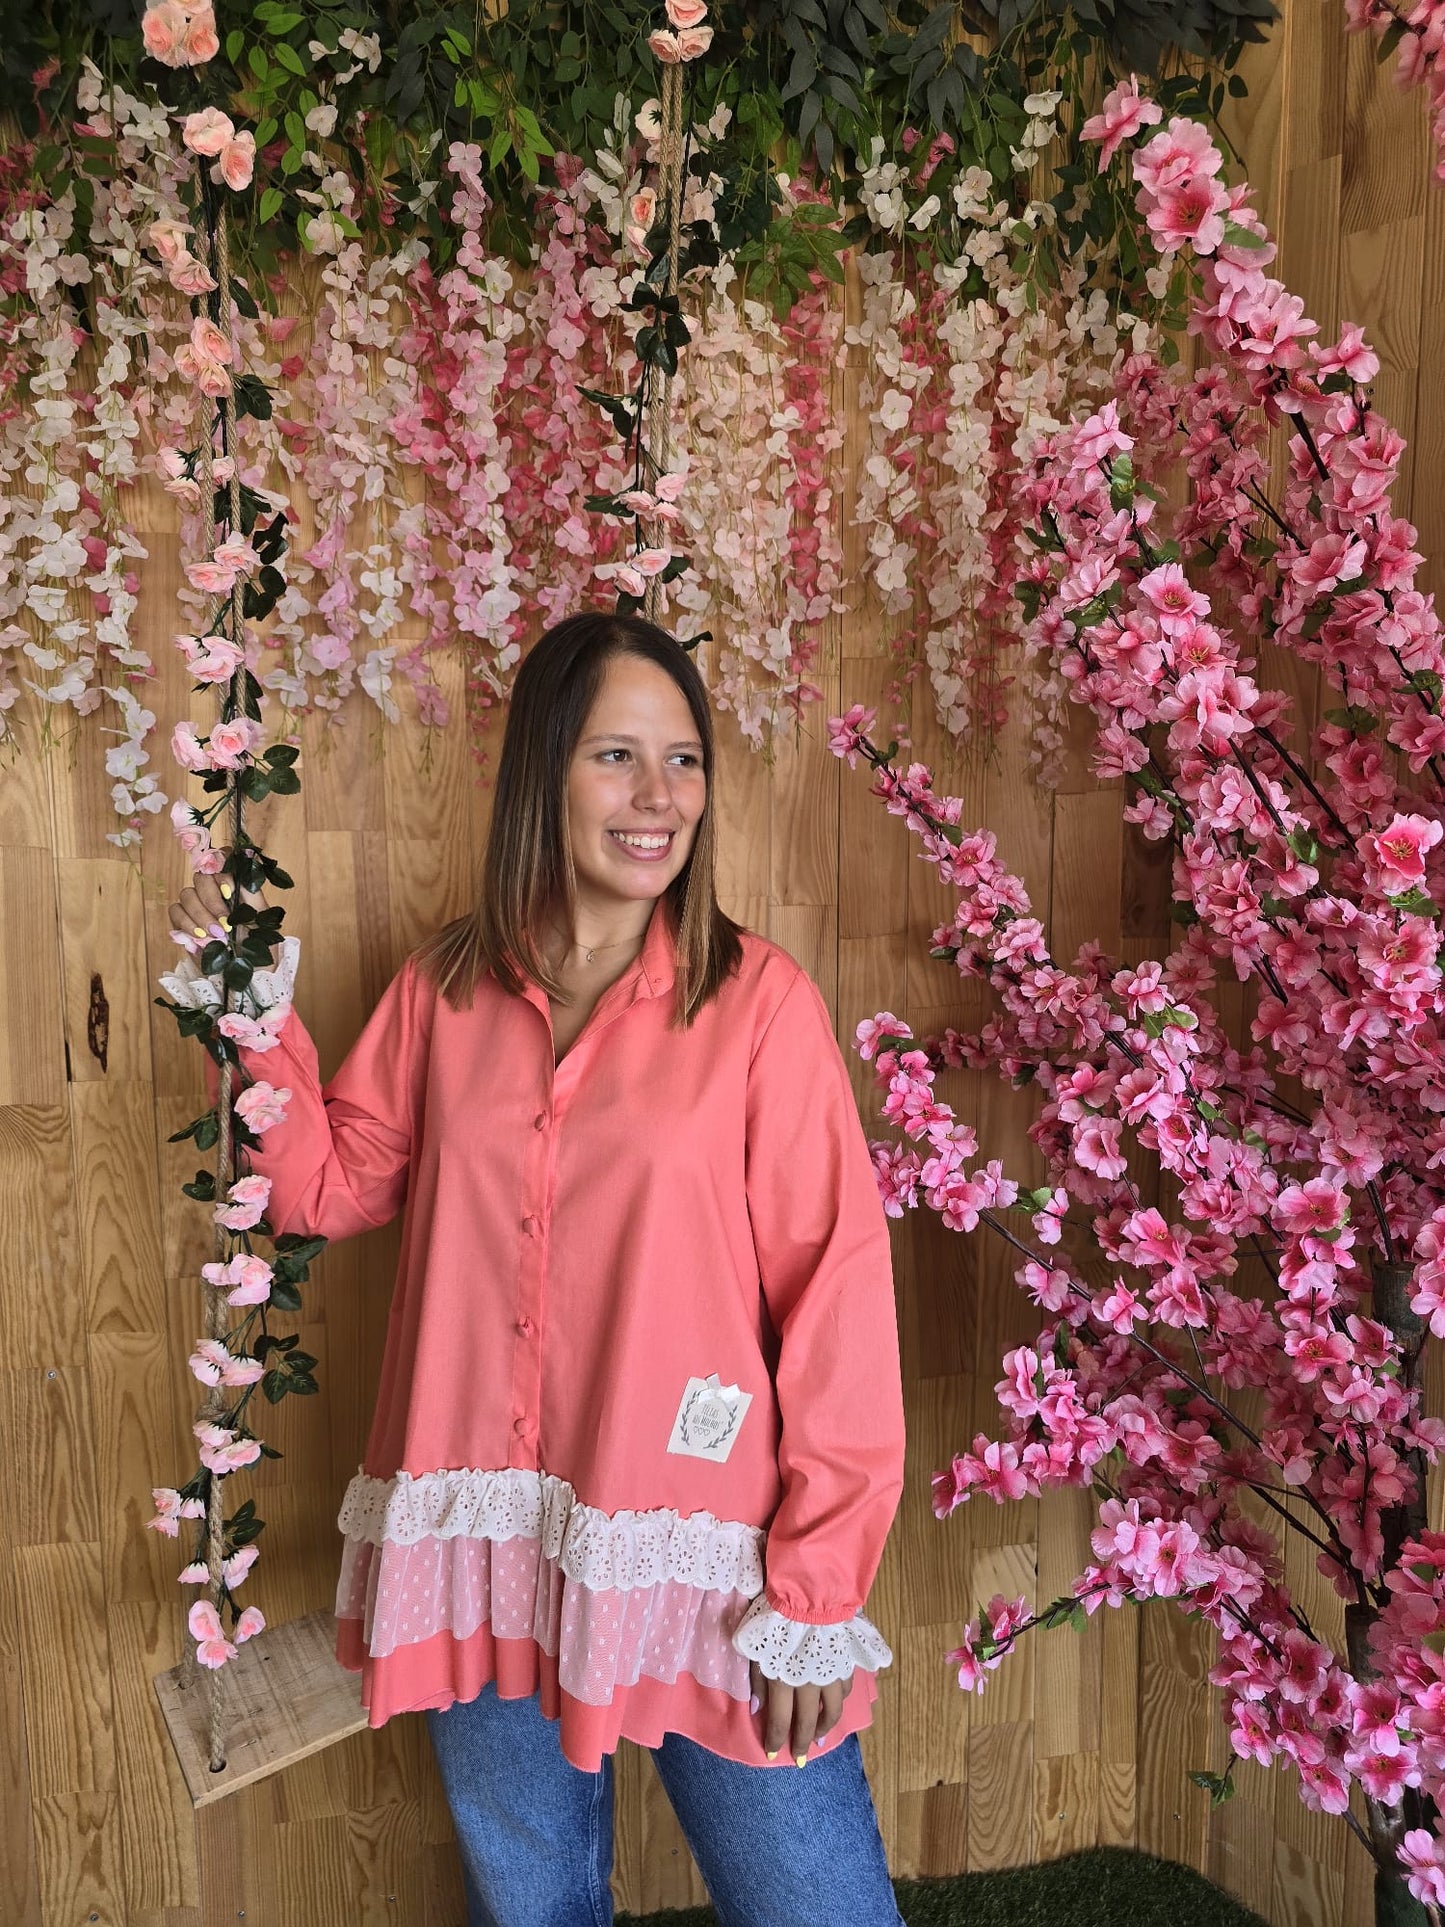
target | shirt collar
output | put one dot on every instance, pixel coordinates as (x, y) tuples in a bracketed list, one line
[(651, 973)]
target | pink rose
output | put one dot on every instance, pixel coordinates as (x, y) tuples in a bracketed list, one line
[(188, 749), (664, 44), (249, 1624), (208, 131), (200, 41), (630, 582), (642, 208), (213, 1364), (255, 1033), (208, 340), (693, 42), (213, 1649), (231, 743), (234, 1570), (260, 1106), (686, 13), (246, 1202), (246, 1280), (170, 239), (237, 162), (210, 577), (212, 659), (236, 553), (189, 276), (163, 30)]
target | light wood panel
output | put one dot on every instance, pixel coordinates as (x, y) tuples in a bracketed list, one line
[(1085, 1736)]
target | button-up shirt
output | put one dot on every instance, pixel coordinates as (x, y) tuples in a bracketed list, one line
[(589, 1245)]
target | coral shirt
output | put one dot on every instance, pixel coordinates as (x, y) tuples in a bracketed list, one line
[(554, 1492)]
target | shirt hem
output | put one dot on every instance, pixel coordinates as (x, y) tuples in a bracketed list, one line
[(436, 1673)]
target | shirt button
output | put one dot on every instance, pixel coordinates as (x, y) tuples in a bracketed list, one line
[(539, 1122), (519, 1426), (529, 1225), (525, 1327)]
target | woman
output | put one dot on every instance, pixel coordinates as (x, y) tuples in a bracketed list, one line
[(639, 1438)]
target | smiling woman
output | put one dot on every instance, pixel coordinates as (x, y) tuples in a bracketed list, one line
[(639, 1438)]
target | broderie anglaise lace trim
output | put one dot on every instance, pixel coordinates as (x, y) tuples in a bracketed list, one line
[(603, 1551), (267, 987), (803, 1655)]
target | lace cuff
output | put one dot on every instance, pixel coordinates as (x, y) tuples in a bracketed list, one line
[(804, 1655), (189, 985)]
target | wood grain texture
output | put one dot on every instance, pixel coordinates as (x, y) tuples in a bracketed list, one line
[(1079, 1737)]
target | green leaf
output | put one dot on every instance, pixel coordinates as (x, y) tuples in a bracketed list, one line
[(287, 57), (271, 199), (256, 60), (1219, 1786)]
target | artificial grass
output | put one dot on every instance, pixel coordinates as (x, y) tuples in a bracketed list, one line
[(1110, 1887)]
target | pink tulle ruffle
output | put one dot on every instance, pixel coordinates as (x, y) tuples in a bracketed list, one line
[(601, 1639)]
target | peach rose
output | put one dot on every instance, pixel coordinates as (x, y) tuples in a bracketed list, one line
[(237, 162), (664, 45), (208, 340), (641, 213), (231, 745), (208, 131), (236, 553), (170, 239), (693, 41), (200, 42), (686, 13), (162, 30), (190, 276), (187, 748)]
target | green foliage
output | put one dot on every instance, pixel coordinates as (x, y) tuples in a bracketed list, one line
[(807, 83)]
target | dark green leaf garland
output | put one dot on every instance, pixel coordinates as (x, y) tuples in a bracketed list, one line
[(809, 84), (251, 937)]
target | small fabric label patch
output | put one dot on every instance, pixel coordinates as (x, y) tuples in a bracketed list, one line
[(708, 1419)]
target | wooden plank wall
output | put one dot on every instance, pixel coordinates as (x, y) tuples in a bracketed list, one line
[(1080, 1739)]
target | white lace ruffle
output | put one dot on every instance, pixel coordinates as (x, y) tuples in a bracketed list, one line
[(604, 1551), (187, 984), (804, 1655)]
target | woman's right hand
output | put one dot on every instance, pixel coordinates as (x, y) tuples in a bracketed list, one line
[(200, 911)]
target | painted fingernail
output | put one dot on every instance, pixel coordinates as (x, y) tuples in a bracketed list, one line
[(774, 1754), (800, 1759), (218, 931), (755, 1705), (226, 887), (198, 930)]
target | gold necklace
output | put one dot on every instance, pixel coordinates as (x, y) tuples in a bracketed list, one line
[(575, 943)]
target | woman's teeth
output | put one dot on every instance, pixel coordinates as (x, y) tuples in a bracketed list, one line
[(651, 843)]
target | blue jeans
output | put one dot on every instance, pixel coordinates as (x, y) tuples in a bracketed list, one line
[(777, 1846)]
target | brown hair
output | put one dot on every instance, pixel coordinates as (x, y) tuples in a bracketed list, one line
[(528, 861)]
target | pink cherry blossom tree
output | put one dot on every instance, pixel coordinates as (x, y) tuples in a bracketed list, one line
[(1238, 1247)]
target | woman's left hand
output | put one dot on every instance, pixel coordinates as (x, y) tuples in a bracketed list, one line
[(796, 1716)]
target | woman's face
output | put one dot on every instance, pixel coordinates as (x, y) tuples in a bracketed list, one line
[(636, 789)]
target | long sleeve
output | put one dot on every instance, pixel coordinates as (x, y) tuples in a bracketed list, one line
[(822, 1246), (338, 1162)]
